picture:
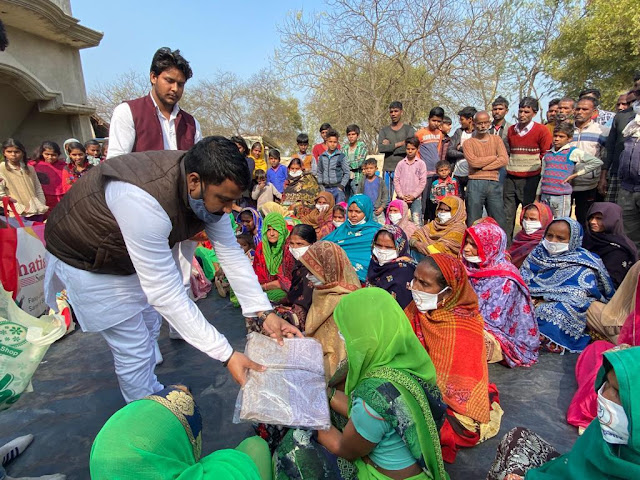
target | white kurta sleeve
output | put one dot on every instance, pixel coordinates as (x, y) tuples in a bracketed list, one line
[(198, 136), (237, 268), (145, 227), (122, 132)]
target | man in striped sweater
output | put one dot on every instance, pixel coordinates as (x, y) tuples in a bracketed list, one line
[(528, 142)]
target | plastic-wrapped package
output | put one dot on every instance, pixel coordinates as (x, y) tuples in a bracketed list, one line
[(292, 391)]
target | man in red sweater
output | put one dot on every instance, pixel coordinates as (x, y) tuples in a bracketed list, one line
[(528, 142)]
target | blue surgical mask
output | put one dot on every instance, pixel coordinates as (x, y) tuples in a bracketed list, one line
[(197, 205)]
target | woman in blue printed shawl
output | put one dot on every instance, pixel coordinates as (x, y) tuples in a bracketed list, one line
[(564, 279)]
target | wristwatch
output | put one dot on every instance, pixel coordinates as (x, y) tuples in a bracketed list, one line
[(263, 316)]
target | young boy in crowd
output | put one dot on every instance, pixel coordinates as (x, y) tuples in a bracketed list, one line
[(333, 169), (277, 174), (445, 128), (430, 139), (410, 179), (374, 188), (264, 191), (308, 162), (356, 153), (93, 152), (560, 166), (444, 185)]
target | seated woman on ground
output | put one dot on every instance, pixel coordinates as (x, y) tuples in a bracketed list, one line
[(321, 218), (563, 280), (300, 186), (20, 183), (608, 448), (444, 234), (391, 266), (503, 297), (606, 238), (332, 277), (356, 234), (393, 405), (398, 214), (250, 223), (446, 320), (534, 220), (296, 304), (160, 437)]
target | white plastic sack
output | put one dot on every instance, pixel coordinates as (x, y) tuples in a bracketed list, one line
[(292, 391), (24, 340)]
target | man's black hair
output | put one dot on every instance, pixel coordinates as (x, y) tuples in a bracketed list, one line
[(395, 104), (412, 141), (353, 128), (467, 112), (91, 142), (565, 127), (325, 126), (273, 153), (529, 102), (636, 76), (302, 138), (589, 98), (500, 100), (553, 102), (446, 120), (4, 40), (331, 133), (217, 159), (165, 58), (590, 92), (436, 112), (370, 161)]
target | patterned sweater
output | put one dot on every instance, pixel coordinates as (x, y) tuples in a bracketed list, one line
[(527, 150)]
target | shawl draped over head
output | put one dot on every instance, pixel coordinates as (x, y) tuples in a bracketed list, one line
[(592, 457), (384, 354), (503, 297), (273, 254), (303, 189), (445, 237), (523, 243), (395, 276), (405, 222), (274, 262), (356, 239), (160, 437), (617, 251), (568, 283), (329, 264), (257, 221), (322, 222), (64, 148), (454, 339)]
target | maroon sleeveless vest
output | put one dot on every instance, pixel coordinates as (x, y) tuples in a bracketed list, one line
[(149, 131)]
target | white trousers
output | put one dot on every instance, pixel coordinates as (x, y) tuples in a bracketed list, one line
[(132, 344)]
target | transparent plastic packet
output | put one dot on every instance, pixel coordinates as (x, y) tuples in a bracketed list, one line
[(292, 391)]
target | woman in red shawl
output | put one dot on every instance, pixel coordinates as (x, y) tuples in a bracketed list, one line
[(534, 219), (321, 218), (446, 319)]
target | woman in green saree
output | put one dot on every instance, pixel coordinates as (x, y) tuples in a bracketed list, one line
[(391, 400), (159, 437)]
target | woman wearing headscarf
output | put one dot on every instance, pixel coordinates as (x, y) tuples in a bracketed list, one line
[(391, 400), (444, 234), (250, 222), (355, 236), (605, 237), (398, 214), (534, 220), (332, 277), (321, 217), (301, 187), (609, 447), (447, 321), (65, 149), (391, 266), (503, 297), (160, 437), (563, 280), (273, 261)]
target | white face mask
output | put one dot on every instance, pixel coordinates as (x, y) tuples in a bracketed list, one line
[(337, 223), (531, 226), (472, 259), (555, 248), (322, 208), (299, 251), (395, 218), (444, 217), (425, 302), (384, 255), (636, 107), (314, 280), (361, 222), (613, 420), (295, 174)]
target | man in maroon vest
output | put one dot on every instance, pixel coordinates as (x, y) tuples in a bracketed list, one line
[(112, 244), (155, 121)]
